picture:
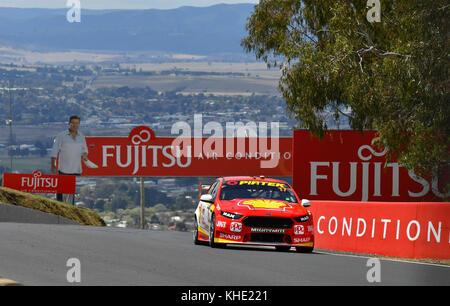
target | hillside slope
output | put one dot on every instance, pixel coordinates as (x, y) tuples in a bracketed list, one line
[(83, 216), (189, 30)]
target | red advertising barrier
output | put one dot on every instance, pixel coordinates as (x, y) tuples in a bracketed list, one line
[(397, 229), (344, 166), (144, 154), (37, 182)]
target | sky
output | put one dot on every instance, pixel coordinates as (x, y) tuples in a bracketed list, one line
[(118, 4)]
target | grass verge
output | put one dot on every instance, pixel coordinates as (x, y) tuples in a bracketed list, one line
[(84, 216)]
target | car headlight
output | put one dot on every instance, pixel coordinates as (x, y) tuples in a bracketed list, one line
[(230, 215), (302, 218)]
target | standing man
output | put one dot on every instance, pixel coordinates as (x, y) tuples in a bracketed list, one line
[(72, 148)]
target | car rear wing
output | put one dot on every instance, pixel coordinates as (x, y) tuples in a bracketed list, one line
[(202, 189)]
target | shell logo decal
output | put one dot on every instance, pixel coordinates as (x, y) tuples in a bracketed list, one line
[(259, 203)]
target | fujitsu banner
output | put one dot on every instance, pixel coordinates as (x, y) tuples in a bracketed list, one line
[(37, 182), (142, 153), (344, 166)]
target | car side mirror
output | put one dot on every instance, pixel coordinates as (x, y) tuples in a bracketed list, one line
[(206, 198), (306, 203)]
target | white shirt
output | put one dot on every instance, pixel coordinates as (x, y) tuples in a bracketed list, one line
[(70, 151)]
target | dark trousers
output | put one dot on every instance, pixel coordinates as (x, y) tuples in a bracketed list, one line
[(59, 196)]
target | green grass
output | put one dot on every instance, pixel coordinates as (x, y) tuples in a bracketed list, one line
[(83, 216)]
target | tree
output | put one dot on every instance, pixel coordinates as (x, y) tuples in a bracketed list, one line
[(99, 204), (390, 76), (154, 219)]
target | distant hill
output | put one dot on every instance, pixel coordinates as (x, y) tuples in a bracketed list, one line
[(190, 30)]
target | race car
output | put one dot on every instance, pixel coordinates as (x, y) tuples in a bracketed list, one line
[(253, 211)]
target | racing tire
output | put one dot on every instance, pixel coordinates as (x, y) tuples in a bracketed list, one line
[(282, 248), (304, 249), (195, 233), (212, 230)]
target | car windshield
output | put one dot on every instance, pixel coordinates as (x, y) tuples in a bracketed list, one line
[(257, 190)]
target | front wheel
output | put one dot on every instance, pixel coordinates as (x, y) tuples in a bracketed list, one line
[(212, 231), (195, 233), (282, 248), (304, 249)]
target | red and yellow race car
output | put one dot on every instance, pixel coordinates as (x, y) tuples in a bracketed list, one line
[(253, 211)]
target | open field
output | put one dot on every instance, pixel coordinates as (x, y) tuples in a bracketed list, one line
[(253, 69), (188, 84), (256, 78), (9, 55), (22, 56), (253, 78)]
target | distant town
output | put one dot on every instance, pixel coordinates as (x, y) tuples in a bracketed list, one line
[(114, 98), (42, 98)]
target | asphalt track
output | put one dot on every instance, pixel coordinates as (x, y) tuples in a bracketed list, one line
[(37, 254)]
